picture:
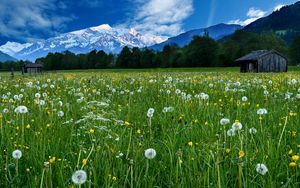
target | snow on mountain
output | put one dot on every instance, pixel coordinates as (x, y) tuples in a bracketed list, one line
[(12, 48), (103, 37)]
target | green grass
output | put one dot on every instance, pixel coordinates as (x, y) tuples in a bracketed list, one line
[(105, 129)]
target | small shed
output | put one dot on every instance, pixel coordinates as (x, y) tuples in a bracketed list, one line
[(263, 61), (32, 68)]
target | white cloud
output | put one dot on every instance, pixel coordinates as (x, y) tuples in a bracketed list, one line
[(23, 19), (253, 14), (160, 17)]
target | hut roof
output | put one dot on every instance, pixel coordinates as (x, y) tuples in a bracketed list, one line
[(33, 65), (256, 55)]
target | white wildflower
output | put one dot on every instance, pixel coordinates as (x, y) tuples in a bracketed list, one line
[(17, 154), (79, 177), (261, 168), (150, 153), (224, 121), (150, 112)]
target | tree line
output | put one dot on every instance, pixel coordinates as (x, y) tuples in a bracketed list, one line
[(203, 51)]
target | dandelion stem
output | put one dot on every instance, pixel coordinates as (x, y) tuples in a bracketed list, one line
[(42, 179), (92, 149), (285, 123), (17, 168), (79, 155), (23, 129)]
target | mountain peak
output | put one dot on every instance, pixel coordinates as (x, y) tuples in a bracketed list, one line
[(101, 27), (133, 32)]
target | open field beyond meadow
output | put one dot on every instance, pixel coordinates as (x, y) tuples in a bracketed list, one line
[(155, 128)]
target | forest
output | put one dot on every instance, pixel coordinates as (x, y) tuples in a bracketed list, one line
[(203, 51)]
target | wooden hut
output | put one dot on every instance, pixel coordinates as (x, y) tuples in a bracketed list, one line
[(32, 68), (263, 61)]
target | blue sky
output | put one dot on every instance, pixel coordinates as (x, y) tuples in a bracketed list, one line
[(30, 20)]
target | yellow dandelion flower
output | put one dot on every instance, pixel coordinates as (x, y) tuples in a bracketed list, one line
[(52, 160), (190, 143), (126, 123), (241, 154), (295, 157), (293, 164), (91, 131), (84, 161)]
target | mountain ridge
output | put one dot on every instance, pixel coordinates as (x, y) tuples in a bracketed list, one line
[(216, 32), (103, 37)]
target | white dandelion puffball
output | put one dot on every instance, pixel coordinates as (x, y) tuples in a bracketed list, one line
[(262, 111), (150, 112), (237, 126), (17, 154), (224, 121), (244, 99), (252, 130), (21, 110), (231, 132), (79, 177), (261, 168), (150, 153), (60, 113)]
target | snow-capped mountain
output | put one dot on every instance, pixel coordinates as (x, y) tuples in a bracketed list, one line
[(102, 37)]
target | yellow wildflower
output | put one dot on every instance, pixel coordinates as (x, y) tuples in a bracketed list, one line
[(293, 164), (91, 131), (295, 157), (241, 154)]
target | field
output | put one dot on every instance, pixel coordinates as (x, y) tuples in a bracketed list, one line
[(206, 128)]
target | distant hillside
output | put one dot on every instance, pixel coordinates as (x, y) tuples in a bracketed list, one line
[(4, 57), (284, 22), (216, 32)]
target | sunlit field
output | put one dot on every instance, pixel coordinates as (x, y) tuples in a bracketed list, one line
[(150, 128)]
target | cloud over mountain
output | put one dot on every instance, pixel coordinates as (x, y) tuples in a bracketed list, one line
[(253, 14), (161, 17), (20, 19)]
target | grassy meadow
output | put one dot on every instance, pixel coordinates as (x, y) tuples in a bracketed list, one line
[(206, 127)]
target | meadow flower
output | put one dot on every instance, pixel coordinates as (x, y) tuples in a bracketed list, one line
[(21, 110), (79, 177), (241, 154), (167, 109), (150, 112), (292, 164), (5, 110), (237, 126), (42, 102), (37, 95), (295, 157), (252, 130), (261, 168), (262, 111), (231, 132), (60, 113), (244, 99), (150, 153), (17, 154), (224, 121)]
